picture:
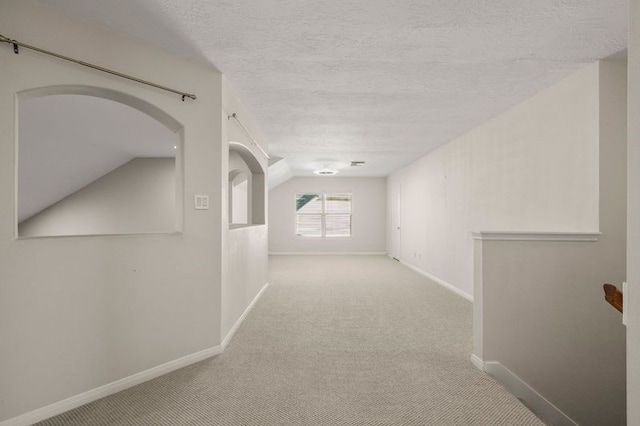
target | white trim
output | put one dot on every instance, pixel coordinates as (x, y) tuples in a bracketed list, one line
[(327, 253), (537, 403), (437, 280), (236, 326), (477, 362), (110, 388), (478, 301), (130, 381), (535, 236)]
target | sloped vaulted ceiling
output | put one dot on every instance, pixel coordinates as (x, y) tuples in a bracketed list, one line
[(69, 141)]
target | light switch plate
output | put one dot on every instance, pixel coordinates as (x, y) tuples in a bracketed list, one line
[(201, 202)]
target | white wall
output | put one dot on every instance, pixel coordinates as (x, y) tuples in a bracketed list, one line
[(544, 315), (247, 267), (77, 313), (245, 260), (555, 163), (546, 322), (137, 197), (532, 168), (632, 297), (368, 216)]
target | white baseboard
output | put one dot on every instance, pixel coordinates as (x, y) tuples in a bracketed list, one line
[(110, 388), (327, 253), (477, 362), (127, 382), (537, 403), (443, 283), (536, 236), (135, 379), (240, 320)]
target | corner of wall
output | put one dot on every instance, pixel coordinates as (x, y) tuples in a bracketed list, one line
[(537, 403)]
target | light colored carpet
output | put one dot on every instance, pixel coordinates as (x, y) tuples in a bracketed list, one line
[(335, 340)]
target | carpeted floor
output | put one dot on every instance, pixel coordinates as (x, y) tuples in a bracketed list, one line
[(334, 340)]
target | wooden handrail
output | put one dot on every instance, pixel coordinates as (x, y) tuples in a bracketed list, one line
[(613, 296)]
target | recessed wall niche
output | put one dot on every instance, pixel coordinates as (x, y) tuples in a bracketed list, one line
[(94, 162), (246, 188), (239, 197)]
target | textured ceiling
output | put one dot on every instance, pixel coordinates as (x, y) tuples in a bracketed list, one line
[(330, 81)]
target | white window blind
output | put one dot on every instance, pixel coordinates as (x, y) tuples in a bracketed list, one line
[(323, 214)]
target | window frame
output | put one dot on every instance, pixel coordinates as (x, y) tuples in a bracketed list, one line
[(323, 224)]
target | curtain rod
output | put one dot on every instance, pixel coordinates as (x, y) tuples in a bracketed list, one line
[(16, 44), (234, 115)]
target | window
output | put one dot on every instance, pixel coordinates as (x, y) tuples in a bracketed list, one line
[(323, 215)]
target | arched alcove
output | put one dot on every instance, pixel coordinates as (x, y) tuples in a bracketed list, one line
[(239, 198), (93, 161), (246, 187)]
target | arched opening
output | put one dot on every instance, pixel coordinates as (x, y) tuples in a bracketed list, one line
[(246, 187), (93, 161)]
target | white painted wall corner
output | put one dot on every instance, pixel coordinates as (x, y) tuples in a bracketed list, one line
[(240, 320), (537, 403), (110, 388), (128, 382)]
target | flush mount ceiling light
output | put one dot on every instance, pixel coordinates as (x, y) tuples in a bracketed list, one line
[(325, 171)]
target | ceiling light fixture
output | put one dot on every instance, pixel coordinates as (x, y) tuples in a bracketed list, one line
[(325, 171)]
